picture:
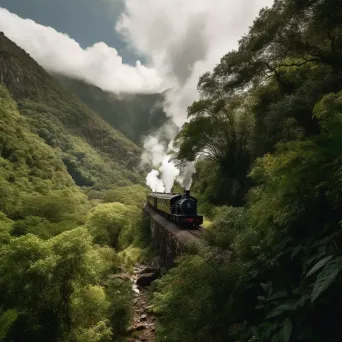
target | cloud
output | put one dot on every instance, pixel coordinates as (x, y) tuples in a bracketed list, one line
[(183, 40), (98, 64)]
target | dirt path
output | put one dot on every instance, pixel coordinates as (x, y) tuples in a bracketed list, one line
[(143, 326)]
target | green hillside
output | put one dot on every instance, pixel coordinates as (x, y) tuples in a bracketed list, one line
[(67, 211), (28, 167), (95, 154), (135, 115)]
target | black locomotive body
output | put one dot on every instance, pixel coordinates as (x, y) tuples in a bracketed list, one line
[(178, 208)]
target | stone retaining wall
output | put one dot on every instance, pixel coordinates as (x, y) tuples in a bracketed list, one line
[(169, 239)]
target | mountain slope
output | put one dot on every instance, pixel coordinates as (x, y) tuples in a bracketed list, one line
[(29, 169), (135, 115), (94, 153)]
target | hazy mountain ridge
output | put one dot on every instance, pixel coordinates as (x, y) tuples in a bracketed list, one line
[(135, 115)]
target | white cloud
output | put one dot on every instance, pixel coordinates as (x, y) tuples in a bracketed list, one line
[(184, 39), (99, 64)]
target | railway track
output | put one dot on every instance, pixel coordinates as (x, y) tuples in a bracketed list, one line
[(198, 232)]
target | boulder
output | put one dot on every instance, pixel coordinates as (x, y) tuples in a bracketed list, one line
[(136, 327), (155, 262), (147, 278), (143, 318)]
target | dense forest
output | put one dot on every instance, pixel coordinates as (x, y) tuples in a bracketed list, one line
[(266, 135), (70, 205)]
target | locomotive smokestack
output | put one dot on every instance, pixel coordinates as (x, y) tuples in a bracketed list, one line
[(187, 193)]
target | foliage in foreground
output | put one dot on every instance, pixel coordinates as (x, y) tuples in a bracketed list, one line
[(261, 94), (56, 280), (269, 124), (56, 256), (58, 289), (280, 279)]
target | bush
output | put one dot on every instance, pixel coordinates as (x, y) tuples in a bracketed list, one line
[(228, 223), (194, 301)]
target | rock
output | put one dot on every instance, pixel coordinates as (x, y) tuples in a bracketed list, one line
[(136, 327), (155, 262), (135, 289), (146, 279), (136, 270), (143, 318), (140, 326)]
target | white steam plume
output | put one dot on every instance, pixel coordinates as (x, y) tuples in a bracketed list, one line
[(183, 40), (153, 181), (186, 177), (168, 174)]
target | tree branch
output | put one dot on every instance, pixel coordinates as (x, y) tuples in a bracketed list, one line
[(299, 64)]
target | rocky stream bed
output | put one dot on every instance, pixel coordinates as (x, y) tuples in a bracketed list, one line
[(143, 323)]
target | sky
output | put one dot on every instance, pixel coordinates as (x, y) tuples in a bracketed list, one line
[(87, 21), (136, 46)]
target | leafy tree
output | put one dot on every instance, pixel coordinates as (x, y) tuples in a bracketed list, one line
[(220, 130), (134, 195), (112, 223), (54, 286), (283, 244)]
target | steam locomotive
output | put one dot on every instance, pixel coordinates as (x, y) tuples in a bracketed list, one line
[(177, 208)]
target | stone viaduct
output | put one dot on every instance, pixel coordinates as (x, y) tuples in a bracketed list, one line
[(170, 240)]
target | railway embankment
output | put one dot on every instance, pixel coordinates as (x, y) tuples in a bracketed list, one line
[(172, 241)]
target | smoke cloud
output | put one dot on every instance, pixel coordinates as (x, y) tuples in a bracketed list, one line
[(99, 64), (168, 174), (186, 178), (153, 181), (183, 40)]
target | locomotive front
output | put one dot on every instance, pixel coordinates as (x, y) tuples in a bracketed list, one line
[(187, 205), (186, 210)]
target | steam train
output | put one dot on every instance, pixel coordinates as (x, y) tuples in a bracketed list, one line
[(180, 209)]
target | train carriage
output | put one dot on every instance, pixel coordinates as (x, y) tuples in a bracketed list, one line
[(178, 208)]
